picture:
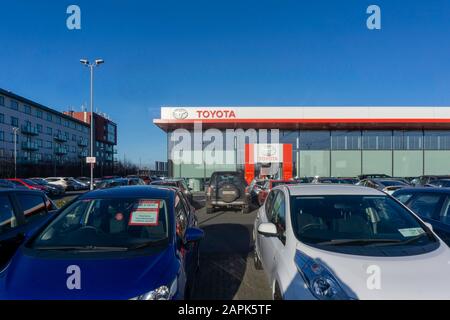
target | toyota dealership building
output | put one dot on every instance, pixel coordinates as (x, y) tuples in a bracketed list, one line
[(287, 142)]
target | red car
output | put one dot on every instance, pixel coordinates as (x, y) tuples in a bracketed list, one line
[(269, 185), (27, 183)]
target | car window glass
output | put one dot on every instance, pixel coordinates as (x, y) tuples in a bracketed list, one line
[(268, 205), (279, 211), (445, 212), (404, 197), (7, 218), (33, 206), (425, 205), (181, 217), (279, 214)]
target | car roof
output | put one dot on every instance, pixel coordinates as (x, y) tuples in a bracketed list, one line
[(21, 190), (129, 191), (330, 189)]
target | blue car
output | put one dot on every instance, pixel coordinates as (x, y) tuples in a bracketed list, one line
[(432, 205), (21, 212), (133, 242)]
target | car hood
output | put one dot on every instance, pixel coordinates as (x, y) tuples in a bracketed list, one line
[(423, 276), (32, 277)]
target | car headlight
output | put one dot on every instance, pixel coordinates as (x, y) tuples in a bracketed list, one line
[(161, 293), (319, 280)]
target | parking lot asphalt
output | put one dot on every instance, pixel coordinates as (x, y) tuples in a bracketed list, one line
[(226, 258)]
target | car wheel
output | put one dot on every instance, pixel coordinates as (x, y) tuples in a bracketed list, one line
[(277, 295), (256, 260)]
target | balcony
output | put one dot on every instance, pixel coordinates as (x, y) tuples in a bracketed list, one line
[(60, 137), (29, 160), (83, 143), (31, 146), (29, 130), (82, 154), (60, 151)]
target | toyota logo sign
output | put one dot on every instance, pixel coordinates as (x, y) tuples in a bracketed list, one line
[(180, 114)]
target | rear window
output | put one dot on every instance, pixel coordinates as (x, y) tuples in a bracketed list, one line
[(233, 178)]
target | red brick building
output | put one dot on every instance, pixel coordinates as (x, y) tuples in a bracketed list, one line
[(105, 137)]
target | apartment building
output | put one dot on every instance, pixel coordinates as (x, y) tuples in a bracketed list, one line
[(44, 135)]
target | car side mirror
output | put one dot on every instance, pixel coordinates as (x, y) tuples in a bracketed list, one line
[(193, 234), (268, 229)]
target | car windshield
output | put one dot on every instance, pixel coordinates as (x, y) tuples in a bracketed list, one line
[(354, 220), (118, 222)]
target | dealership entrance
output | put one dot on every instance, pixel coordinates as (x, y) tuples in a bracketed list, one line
[(268, 161)]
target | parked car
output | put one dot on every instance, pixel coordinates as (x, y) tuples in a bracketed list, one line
[(85, 180), (254, 188), (111, 183), (29, 184), (388, 185), (431, 205), (21, 212), (425, 180), (65, 182), (440, 183), (373, 176), (178, 183), (129, 243), (5, 184), (78, 185), (53, 190), (304, 179), (269, 185), (324, 241), (227, 189)]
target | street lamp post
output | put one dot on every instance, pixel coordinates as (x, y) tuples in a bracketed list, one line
[(15, 131), (91, 66)]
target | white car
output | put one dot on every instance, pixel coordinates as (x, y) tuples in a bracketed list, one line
[(62, 181), (347, 242)]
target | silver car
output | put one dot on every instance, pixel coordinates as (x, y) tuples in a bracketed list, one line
[(347, 242)]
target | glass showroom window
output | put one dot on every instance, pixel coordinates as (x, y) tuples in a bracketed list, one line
[(345, 140), (289, 137), (437, 140), (377, 140), (408, 140), (314, 140)]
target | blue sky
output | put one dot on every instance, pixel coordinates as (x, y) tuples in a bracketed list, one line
[(217, 52)]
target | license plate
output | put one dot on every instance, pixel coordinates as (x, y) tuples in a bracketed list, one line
[(228, 192)]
